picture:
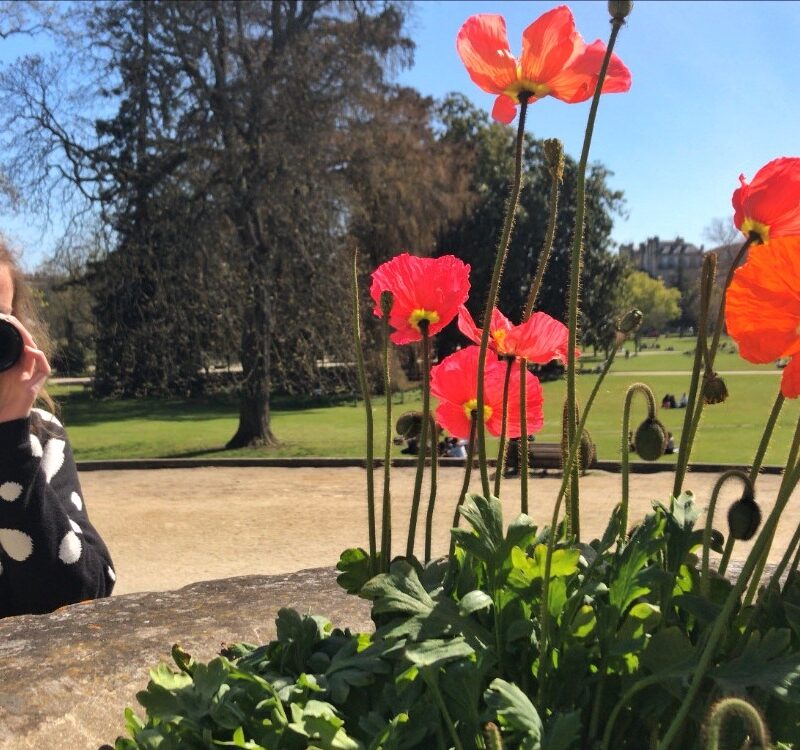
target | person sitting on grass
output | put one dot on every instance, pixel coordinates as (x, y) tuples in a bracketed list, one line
[(50, 554)]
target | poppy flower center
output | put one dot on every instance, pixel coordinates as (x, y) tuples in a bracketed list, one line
[(751, 226), (525, 85), (421, 314), (499, 337), (472, 405)]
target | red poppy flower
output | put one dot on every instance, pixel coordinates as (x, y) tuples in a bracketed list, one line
[(454, 381), (770, 205), (555, 61), (540, 339), (762, 308), (423, 289)]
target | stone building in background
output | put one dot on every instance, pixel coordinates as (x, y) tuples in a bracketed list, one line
[(676, 262)]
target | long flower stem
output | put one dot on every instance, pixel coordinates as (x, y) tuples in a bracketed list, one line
[(433, 684), (571, 458), (494, 287), (432, 496), (362, 381), (386, 513), (787, 556), (523, 436), (423, 438), (501, 451), (712, 351), (467, 475), (625, 467), (575, 279), (791, 463), (712, 505), (722, 622), (766, 436), (694, 402)]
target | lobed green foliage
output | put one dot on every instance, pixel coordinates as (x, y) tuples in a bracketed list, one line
[(459, 644)]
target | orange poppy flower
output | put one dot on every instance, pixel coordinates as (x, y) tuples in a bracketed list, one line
[(762, 308), (769, 206), (454, 381), (540, 339), (555, 61), (429, 289)]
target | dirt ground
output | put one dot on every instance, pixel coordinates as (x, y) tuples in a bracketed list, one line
[(170, 527)]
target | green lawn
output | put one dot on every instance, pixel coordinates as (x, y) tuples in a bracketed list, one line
[(729, 433)]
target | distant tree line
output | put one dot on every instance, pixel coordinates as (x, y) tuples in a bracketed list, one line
[(222, 160)]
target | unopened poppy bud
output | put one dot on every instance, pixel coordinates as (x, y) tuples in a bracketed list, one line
[(714, 389), (630, 321), (554, 153), (650, 439), (409, 425), (491, 734), (744, 517), (619, 10), (387, 300)]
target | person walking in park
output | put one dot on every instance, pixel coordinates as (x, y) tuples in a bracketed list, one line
[(50, 554)]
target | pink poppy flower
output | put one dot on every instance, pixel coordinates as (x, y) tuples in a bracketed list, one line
[(555, 61), (423, 289), (540, 339), (454, 381)]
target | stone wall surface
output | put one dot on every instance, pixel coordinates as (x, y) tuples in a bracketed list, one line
[(67, 677)]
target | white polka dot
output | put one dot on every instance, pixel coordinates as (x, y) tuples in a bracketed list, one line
[(76, 500), (17, 544), (10, 491), (111, 574), (47, 417), (36, 446), (77, 529), (53, 458), (70, 548)]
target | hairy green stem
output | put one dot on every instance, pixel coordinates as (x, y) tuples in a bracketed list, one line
[(732, 706), (694, 402), (523, 436), (362, 381), (722, 621), (433, 683), (731, 473), (501, 451), (766, 436), (791, 549), (625, 445), (423, 438), (494, 287), (386, 513), (432, 496), (467, 475), (721, 314), (571, 458), (575, 279)]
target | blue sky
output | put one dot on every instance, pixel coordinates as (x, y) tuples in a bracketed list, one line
[(716, 92)]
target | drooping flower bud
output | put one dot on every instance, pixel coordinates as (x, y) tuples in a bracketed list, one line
[(554, 153), (714, 389), (409, 425), (386, 302), (630, 321), (651, 439), (619, 10), (744, 517)]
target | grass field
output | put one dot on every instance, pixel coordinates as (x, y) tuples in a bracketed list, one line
[(729, 432)]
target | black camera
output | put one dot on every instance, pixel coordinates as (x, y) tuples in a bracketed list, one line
[(11, 345)]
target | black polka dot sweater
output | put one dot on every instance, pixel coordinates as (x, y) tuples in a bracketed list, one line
[(50, 554)]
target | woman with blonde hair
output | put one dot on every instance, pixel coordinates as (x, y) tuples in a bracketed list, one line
[(50, 554)]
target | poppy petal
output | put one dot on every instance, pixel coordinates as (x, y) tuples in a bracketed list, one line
[(577, 82), (467, 325), (482, 44), (454, 419), (772, 198), (790, 381), (504, 109), (549, 44), (539, 339)]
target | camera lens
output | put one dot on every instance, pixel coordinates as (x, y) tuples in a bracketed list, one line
[(10, 345)]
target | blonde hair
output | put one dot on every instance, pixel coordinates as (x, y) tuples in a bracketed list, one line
[(25, 309)]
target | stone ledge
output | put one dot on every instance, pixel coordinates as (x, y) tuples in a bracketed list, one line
[(67, 677)]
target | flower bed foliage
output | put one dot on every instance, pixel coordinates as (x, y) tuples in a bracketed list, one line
[(526, 637)]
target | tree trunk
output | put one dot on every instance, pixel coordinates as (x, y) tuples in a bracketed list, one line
[(254, 412)]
